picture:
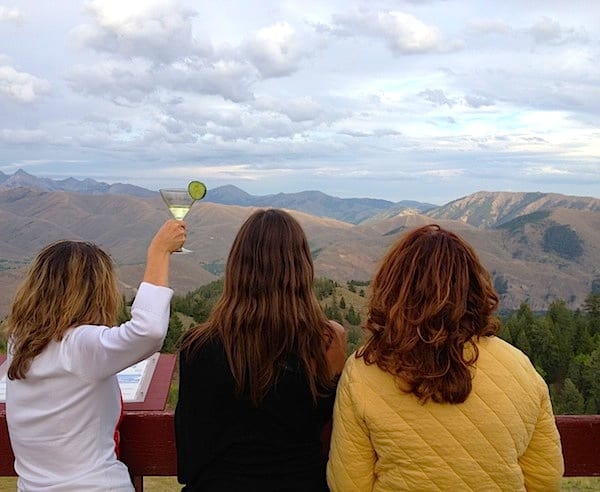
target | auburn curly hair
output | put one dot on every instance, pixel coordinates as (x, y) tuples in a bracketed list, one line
[(430, 301)]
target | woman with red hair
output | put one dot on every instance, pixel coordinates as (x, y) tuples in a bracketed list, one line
[(434, 400)]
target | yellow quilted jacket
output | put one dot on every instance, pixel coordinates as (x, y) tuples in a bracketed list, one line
[(503, 437)]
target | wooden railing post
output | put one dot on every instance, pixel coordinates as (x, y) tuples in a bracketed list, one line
[(138, 483)]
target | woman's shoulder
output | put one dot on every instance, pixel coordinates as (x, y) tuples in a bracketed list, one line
[(501, 349), (495, 351), (339, 335), (336, 351), (357, 371), (338, 329)]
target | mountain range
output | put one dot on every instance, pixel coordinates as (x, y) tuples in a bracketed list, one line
[(353, 210), (538, 247)]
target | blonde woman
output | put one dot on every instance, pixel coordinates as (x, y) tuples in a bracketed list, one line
[(63, 403), (434, 400)]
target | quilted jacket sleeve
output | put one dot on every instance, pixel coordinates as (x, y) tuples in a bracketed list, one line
[(542, 461), (351, 466)]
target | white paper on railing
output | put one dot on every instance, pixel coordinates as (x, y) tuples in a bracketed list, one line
[(133, 381)]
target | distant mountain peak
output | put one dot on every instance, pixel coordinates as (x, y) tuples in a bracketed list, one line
[(493, 208), (21, 178)]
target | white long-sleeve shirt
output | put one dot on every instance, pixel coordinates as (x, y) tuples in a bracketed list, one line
[(63, 416)]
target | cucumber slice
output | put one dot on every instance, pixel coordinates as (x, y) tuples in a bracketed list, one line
[(197, 190)]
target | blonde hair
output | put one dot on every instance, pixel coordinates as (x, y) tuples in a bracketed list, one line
[(69, 283)]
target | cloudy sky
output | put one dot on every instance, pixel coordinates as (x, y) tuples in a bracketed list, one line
[(428, 100)]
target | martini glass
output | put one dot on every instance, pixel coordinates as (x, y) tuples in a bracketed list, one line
[(179, 202)]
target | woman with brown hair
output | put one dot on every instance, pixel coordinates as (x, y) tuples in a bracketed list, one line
[(434, 400), (63, 402), (257, 379)]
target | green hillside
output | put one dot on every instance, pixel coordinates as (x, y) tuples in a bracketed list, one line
[(564, 345)]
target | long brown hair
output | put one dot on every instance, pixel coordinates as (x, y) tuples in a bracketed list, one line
[(69, 283), (430, 298), (268, 308)]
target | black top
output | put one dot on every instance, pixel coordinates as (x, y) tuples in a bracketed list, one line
[(226, 444)]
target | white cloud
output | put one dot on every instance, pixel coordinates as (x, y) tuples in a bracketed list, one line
[(301, 109), (548, 30), (402, 94), (20, 86), (11, 15), (444, 173), (275, 50), (547, 170), (119, 81), (160, 31), (404, 33), (136, 81), (228, 78), (437, 97), (478, 100)]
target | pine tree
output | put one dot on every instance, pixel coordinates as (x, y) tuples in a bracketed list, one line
[(591, 376), (591, 306), (569, 400), (332, 311), (323, 288), (562, 327), (352, 316), (173, 334), (353, 337), (200, 310)]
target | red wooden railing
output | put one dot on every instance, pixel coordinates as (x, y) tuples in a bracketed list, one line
[(148, 440), (148, 445)]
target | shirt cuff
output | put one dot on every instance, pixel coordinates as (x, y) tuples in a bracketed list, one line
[(152, 298)]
